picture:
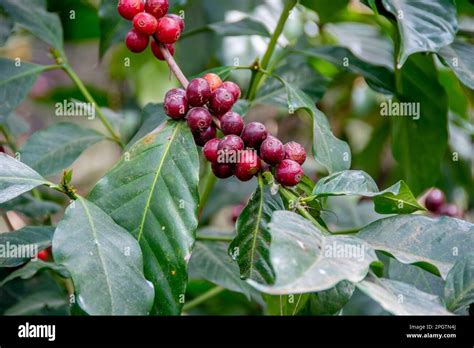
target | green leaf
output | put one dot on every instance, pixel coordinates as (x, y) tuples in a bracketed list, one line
[(243, 27), (329, 302), (54, 149), (251, 245), (112, 27), (365, 41), (34, 267), (285, 305), (419, 142), (396, 199), (433, 244), (425, 26), (34, 18), (40, 295), (88, 242), (459, 290), (152, 115), (400, 298), (327, 10), (6, 26), (331, 152), (305, 260), (30, 206), (15, 83), (459, 56), (19, 246), (153, 193), (16, 178), (379, 78), (210, 261)]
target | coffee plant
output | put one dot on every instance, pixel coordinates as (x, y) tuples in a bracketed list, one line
[(304, 157)]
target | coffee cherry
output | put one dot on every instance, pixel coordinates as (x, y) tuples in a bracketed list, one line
[(236, 211), (450, 210), (155, 48), (229, 146), (201, 138), (130, 8), (248, 165), (295, 152), (210, 150), (272, 151), (233, 89), (176, 104), (44, 254), (168, 30), (221, 101), (213, 80), (434, 200), (254, 134), (199, 119), (198, 92), (288, 173), (222, 170), (232, 123), (157, 8), (178, 19), (145, 23), (136, 42)]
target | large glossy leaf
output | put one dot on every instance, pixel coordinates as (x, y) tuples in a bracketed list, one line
[(396, 199), (305, 260), (378, 77), (34, 17), (329, 302), (30, 206), (285, 305), (419, 141), (459, 290), (89, 243), (153, 193), (51, 150), (400, 298), (327, 9), (34, 267), (210, 261), (16, 178), (434, 244), (15, 83), (459, 56), (424, 25), (365, 41), (112, 27), (252, 244), (152, 116), (331, 152), (19, 246)]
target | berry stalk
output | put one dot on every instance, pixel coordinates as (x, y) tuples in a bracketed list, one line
[(174, 67)]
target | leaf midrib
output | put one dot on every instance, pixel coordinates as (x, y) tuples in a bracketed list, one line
[(257, 228)]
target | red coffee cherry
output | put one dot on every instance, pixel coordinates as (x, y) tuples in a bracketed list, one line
[(45, 254), (130, 8), (288, 173), (178, 19), (201, 138), (176, 104), (155, 48), (221, 101), (136, 42), (222, 170), (254, 134), (157, 8), (229, 147), (145, 23), (434, 200), (272, 151), (232, 123), (198, 92), (295, 152), (213, 80), (233, 89), (450, 210), (248, 165), (210, 150), (168, 30), (199, 119)]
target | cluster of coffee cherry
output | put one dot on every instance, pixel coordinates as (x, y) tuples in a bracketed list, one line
[(436, 203), (244, 150), (151, 18)]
